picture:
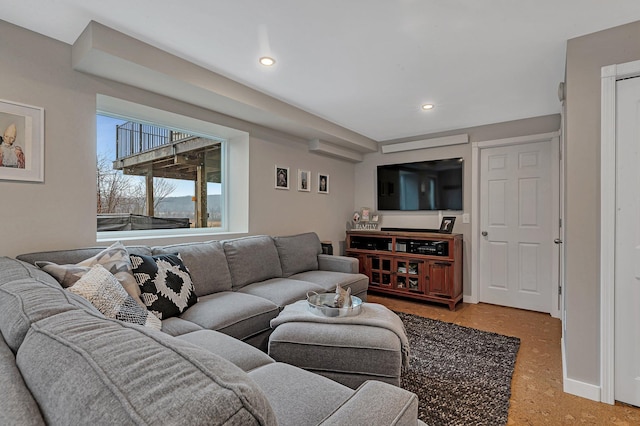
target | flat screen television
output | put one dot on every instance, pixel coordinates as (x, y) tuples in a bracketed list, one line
[(423, 185)]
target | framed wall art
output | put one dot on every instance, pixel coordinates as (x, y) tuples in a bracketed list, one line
[(282, 177), (304, 180), (323, 183), (21, 142)]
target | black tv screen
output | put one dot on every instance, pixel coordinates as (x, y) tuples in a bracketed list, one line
[(423, 185)]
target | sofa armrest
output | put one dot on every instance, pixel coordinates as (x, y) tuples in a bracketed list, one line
[(327, 262), (376, 402), (17, 406)]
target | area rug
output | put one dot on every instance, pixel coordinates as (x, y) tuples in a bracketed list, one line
[(462, 376)]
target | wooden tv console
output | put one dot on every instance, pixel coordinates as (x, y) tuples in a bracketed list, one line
[(418, 265)]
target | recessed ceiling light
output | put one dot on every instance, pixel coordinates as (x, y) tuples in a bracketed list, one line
[(267, 61), (427, 107)]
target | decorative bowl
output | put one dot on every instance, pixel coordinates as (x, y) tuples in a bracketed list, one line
[(322, 304)]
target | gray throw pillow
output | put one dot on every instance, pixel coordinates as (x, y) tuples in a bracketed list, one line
[(115, 259)]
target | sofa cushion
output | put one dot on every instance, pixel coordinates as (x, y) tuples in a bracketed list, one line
[(17, 405), (298, 253), (336, 351), (399, 407), (25, 301), (165, 284), (241, 354), (206, 263), (281, 291), (13, 270), (238, 315), (114, 258), (84, 370), (252, 259), (104, 292), (176, 326), (358, 283), (299, 397)]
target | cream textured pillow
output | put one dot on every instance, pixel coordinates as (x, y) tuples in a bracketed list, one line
[(104, 292), (114, 258)]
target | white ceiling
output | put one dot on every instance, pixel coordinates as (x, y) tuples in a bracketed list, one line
[(366, 65)]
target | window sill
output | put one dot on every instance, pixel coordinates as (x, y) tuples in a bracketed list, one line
[(157, 234)]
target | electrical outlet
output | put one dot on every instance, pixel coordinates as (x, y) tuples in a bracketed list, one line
[(466, 218)]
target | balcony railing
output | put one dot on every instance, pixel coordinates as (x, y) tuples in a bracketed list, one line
[(135, 138)]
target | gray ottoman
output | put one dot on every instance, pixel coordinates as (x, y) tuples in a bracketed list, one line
[(347, 353)]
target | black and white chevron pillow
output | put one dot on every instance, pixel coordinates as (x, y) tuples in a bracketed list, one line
[(165, 284)]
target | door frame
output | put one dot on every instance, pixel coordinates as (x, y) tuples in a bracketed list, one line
[(609, 76), (476, 147)]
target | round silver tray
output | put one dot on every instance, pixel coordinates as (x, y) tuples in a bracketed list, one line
[(322, 305)]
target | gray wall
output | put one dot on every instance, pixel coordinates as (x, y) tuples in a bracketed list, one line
[(585, 57), (365, 177), (60, 213)]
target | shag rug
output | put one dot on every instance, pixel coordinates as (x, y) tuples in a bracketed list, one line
[(462, 376)]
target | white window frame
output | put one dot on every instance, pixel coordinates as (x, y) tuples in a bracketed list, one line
[(235, 180)]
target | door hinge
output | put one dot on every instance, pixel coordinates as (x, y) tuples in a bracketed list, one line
[(560, 222), (559, 290)]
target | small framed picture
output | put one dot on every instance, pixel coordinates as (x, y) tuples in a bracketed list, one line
[(356, 217), (304, 181), (21, 142), (375, 218), (282, 177), (323, 183), (366, 214), (446, 226)]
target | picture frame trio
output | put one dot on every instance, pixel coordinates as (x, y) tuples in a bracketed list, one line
[(283, 179), (365, 219)]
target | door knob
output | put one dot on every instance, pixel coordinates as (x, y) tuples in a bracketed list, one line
[(484, 233), (557, 241)]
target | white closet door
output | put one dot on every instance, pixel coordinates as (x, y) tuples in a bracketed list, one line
[(627, 252)]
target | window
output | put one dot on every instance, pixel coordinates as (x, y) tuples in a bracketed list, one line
[(221, 152), (154, 177)]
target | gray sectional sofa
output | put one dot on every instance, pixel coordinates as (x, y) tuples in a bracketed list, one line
[(63, 362), (243, 283)]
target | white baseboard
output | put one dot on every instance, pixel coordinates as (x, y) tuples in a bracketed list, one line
[(576, 387), (469, 299)]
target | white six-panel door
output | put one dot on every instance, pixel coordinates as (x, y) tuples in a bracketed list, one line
[(627, 245), (516, 241)]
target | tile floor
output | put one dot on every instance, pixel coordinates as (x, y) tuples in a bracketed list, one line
[(536, 393)]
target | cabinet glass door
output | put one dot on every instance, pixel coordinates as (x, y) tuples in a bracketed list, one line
[(381, 271), (408, 275)]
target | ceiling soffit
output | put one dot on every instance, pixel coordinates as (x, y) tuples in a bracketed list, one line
[(107, 53)]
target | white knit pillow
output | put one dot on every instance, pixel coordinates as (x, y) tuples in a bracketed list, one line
[(103, 290)]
